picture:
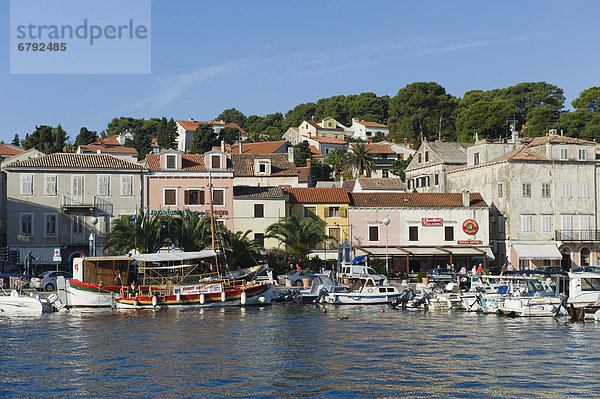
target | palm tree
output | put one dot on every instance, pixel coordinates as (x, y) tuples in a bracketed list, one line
[(240, 249), (191, 231), (299, 235), (141, 232), (336, 159), (359, 159)]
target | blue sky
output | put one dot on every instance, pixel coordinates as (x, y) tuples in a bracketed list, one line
[(268, 56)]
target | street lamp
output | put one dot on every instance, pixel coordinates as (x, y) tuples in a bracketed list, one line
[(386, 222)]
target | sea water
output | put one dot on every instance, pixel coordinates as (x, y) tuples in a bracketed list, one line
[(295, 351)]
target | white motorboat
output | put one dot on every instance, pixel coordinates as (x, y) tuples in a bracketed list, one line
[(364, 291), (19, 303), (532, 299), (320, 286), (584, 295)]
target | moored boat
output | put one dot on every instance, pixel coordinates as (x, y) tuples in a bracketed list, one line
[(364, 291)]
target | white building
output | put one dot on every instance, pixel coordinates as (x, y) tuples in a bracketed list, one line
[(186, 129), (325, 144), (366, 130)]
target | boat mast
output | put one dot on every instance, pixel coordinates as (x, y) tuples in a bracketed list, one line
[(212, 220)]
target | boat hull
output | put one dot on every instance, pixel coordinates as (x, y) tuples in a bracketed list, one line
[(260, 294), (81, 294), (530, 307), (20, 304), (359, 299)]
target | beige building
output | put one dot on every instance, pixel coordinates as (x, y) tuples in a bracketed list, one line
[(256, 208), (264, 170), (54, 200)]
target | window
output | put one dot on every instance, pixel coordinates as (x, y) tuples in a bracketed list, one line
[(526, 223), (419, 157), (334, 211), (259, 238), (581, 154), (564, 153), (566, 222), (385, 173), (373, 233), (259, 210), (413, 233), (309, 210), (426, 156), (476, 159), (50, 185), (526, 190), (126, 186), (566, 190), (104, 185), (501, 223), (171, 161), (50, 224), (546, 221), (383, 156), (583, 190), (449, 233), (218, 196), (26, 222), (77, 187), (436, 179), (215, 161), (193, 196), (500, 190), (545, 190), (262, 167), (170, 196), (26, 184)]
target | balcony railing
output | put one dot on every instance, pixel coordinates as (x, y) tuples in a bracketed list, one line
[(85, 202), (577, 235)]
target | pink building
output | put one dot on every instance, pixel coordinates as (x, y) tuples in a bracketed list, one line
[(179, 181)]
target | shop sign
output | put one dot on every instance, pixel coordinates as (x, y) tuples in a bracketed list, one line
[(470, 227), (431, 222), (469, 242), (220, 212)]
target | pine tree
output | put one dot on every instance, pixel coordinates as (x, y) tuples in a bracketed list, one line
[(204, 139), (16, 140)]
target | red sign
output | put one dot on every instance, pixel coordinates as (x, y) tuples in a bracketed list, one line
[(220, 212), (431, 222), (469, 242)]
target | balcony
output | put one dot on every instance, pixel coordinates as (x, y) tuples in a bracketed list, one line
[(83, 203), (577, 235)]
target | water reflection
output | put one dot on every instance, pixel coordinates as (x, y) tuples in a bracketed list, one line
[(295, 351)]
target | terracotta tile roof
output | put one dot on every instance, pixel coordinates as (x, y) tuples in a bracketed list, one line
[(315, 152), (380, 149), (313, 123), (266, 147), (371, 124), (318, 195), (381, 184), (417, 200), (243, 164), (555, 139), (190, 162), (348, 184), (8, 150), (303, 173), (192, 125), (110, 140), (69, 160), (117, 149), (327, 140), (243, 192), (524, 154)]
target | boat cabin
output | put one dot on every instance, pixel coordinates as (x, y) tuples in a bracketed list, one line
[(104, 270)]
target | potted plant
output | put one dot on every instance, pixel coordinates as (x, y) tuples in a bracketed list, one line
[(422, 278)]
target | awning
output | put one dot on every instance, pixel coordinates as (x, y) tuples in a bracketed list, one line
[(426, 251), (537, 251), (175, 256)]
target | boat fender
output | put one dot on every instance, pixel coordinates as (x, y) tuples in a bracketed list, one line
[(261, 299), (243, 298), (178, 297), (154, 300), (597, 315), (202, 299), (223, 296)]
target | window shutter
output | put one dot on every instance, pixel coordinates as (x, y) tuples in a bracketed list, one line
[(186, 197), (201, 197), (342, 212)]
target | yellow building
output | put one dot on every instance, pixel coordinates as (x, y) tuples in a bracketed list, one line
[(331, 206)]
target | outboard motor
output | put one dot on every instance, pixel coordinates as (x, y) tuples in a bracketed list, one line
[(405, 296), (321, 297), (424, 300), (563, 303)]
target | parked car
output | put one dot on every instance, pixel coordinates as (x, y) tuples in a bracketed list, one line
[(586, 269), (354, 271), (295, 277), (441, 275), (47, 280)]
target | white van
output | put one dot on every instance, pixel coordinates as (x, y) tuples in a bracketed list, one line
[(351, 271)]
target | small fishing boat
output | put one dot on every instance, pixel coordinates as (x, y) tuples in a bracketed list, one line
[(364, 291)]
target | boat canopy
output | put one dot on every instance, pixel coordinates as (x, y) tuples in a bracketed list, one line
[(175, 256), (537, 251)]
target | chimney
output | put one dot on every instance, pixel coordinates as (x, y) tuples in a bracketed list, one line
[(240, 144), (342, 179), (223, 145), (290, 154), (515, 135), (393, 141), (405, 142), (412, 146), (308, 163), (466, 198)]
